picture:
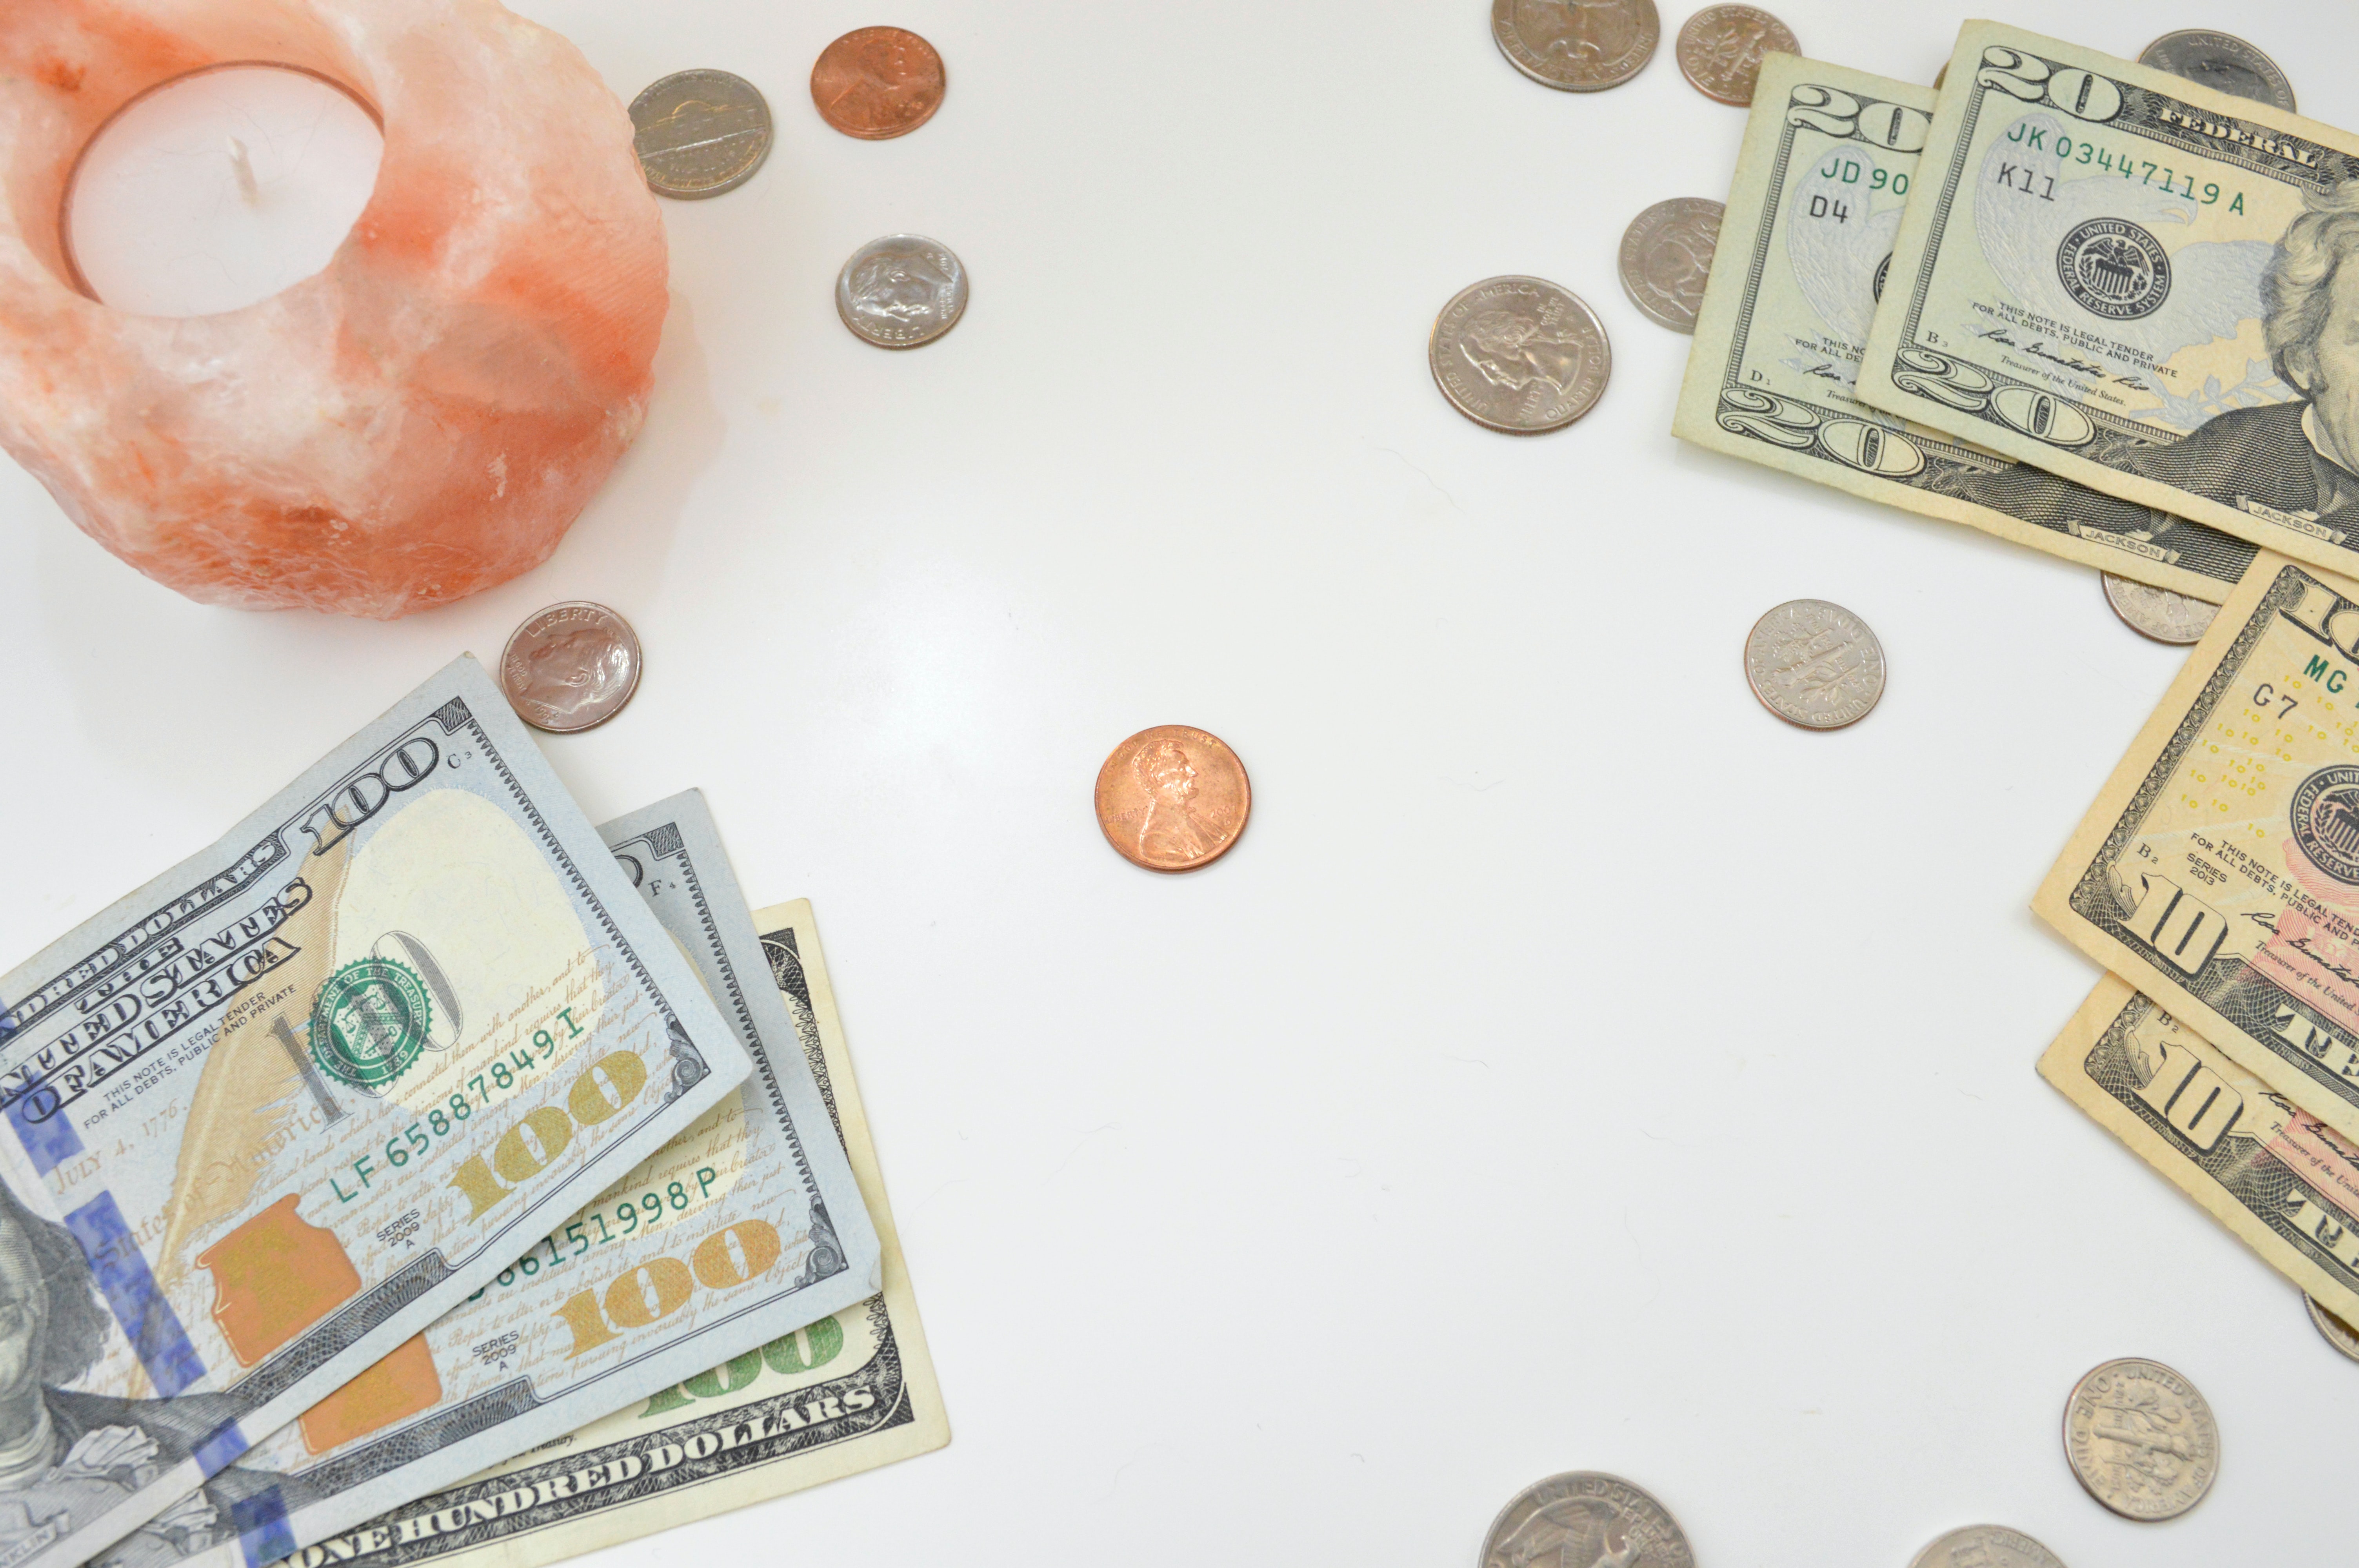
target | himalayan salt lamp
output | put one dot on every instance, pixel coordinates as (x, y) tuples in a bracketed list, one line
[(421, 419)]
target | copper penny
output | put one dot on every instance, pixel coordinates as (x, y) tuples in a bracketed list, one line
[(1174, 799), (570, 667), (878, 82), (1722, 47)]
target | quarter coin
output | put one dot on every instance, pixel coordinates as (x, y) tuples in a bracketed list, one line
[(901, 291), (1581, 46), (2158, 612), (1985, 1546), (2141, 1440), (700, 132), (1174, 799), (878, 82), (1667, 259), (2221, 61), (1519, 356), (2336, 1331), (570, 667), (1815, 664), (1587, 1518), (1722, 47)]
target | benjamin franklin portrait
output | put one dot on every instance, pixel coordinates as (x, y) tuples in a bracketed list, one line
[(67, 1457)]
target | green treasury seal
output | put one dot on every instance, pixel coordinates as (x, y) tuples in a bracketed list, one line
[(369, 1022)]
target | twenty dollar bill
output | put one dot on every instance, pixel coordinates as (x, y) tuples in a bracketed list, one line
[(2218, 871), (845, 1394), (274, 1113), (1830, 160), (2286, 1185), (2136, 282)]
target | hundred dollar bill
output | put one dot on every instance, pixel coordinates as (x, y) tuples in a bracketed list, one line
[(1831, 157), (738, 1231), (2284, 1183), (847, 1393), (2138, 283), (2218, 871), (278, 1111)]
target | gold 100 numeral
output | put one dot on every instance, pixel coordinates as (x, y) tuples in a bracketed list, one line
[(605, 1088), (659, 1287)]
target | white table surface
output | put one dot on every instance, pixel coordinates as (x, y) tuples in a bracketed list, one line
[(1574, 1067)]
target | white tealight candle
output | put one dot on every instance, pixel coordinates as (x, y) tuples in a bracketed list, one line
[(220, 189)]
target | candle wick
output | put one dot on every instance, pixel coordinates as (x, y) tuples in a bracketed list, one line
[(243, 165)]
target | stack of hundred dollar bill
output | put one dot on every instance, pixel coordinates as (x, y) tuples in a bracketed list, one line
[(423, 1174), (2113, 315)]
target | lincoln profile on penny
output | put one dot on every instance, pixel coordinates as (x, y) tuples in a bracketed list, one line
[(1171, 831), (2300, 456), (65, 1456)]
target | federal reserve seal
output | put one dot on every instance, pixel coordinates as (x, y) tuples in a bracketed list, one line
[(370, 1021), (2326, 820), (2114, 269)]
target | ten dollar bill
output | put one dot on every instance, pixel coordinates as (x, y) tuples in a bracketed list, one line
[(2284, 1183), (2218, 871)]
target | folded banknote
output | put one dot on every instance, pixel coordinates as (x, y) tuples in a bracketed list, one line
[(2218, 871), (274, 1114), (2138, 283), (740, 1230), (2281, 1182), (1830, 159), (844, 1394)]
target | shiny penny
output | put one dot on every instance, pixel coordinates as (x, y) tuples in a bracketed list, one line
[(1586, 1517), (2141, 1440), (1985, 1546), (1667, 259), (2158, 612), (901, 291), (700, 132), (878, 82), (2333, 1330), (1519, 356), (1174, 799), (572, 668), (1815, 664), (1722, 47), (2222, 62), (1579, 46)]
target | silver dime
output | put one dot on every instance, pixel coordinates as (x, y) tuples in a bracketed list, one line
[(700, 132), (2158, 612), (1815, 664), (1519, 356), (570, 667), (2223, 62), (2141, 1440), (901, 290), (1667, 259), (1586, 1518), (1720, 49), (1985, 1546), (2336, 1331), (1581, 46)]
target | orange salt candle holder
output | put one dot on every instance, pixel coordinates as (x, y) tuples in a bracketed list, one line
[(422, 420)]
